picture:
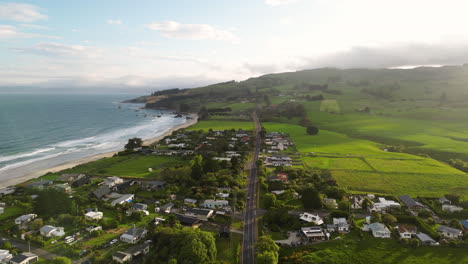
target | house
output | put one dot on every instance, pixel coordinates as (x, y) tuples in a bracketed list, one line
[(41, 184), (411, 203), (188, 221), (310, 234), (451, 208), (356, 202), (122, 187), (2, 210), (93, 215), (70, 177), (278, 192), (279, 177), (426, 240), (190, 201), (133, 235), (131, 253), (7, 190), (112, 181), (341, 225), (406, 231), (101, 192), (166, 208), (214, 204), (93, 228), (63, 187), (50, 231), (278, 160), (311, 218), (464, 223), (444, 200), (140, 207), (81, 182), (24, 258), (448, 232), (5, 256), (383, 205), (377, 229), (25, 218), (151, 185), (126, 198), (202, 214), (330, 228), (330, 203)]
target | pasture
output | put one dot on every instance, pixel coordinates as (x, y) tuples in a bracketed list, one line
[(222, 125)]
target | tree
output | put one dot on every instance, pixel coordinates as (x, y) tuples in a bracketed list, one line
[(61, 260), (266, 251), (7, 245), (269, 200), (311, 130), (51, 202), (376, 217), (133, 143), (389, 219), (424, 213), (311, 198), (197, 168)]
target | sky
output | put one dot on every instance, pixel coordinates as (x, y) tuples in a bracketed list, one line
[(153, 44)]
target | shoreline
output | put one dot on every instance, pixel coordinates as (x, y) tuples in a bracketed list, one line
[(74, 163)]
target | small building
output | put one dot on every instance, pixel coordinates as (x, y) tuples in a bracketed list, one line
[(63, 187), (310, 234), (152, 185), (356, 202), (464, 223), (411, 203), (5, 256), (406, 231), (133, 235), (426, 240), (93, 228), (126, 198), (330, 228), (140, 207), (71, 177), (24, 258), (443, 200), (7, 191), (166, 208), (132, 253), (188, 221), (124, 186), (40, 184), (202, 214), (341, 225), (279, 177), (448, 232), (81, 182), (113, 181), (101, 192), (377, 229), (2, 210), (451, 208), (93, 215), (383, 205), (330, 203), (190, 201), (51, 231), (317, 220), (214, 204), (25, 218)]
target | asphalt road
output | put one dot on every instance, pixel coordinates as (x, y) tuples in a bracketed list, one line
[(248, 241)]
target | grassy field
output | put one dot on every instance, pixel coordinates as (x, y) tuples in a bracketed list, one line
[(330, 106), (352, 249), (222, 125), (362, 166), (135, 166)]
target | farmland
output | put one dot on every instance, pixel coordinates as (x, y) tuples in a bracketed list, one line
[(222, 125)]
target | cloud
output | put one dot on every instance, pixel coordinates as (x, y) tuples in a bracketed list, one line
[(10, 32), (114, 22), (51, 49), (31, 26), (20, 12), (280, 2), (172, 29)]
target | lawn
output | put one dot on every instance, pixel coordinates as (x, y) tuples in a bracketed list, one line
[(229, 248), (353, 249), (362, 165), (12, 212), (222, 125)]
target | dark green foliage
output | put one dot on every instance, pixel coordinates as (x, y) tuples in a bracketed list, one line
[(266, 251), (311, 198), (133, 143), (311, 130), (52, 202)]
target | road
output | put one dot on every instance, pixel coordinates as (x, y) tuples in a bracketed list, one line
[(23, 245), (248, 240)]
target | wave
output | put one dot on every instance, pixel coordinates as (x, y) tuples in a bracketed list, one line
[(25, 155)]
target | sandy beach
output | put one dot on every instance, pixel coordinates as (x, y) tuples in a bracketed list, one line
[(71, 164)]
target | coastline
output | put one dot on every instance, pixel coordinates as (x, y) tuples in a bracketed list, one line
[(74, 163)]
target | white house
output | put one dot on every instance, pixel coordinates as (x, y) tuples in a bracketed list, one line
[(202, 214), (356, 202), (310, 234), (190, 201), (93, 228), (133, 235), (94, 215), (24, 258), (341, 225), (25, 218), (311, 218), (406, 231), (382, 205), (5, 256), (451, 208), (448, 232), (330, 203), (50, 231), (126, 198), (213, 204), (378, 230)]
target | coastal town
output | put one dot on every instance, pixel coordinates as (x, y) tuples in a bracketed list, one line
[(97, 217)]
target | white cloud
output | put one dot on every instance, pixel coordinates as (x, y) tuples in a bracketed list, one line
[(31, 26), (20, 12), (114, 22), (280, 2), (172, 29), (61, 50), (287, 21), (10, 32)]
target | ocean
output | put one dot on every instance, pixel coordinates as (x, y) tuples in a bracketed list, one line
[(39, 131)]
